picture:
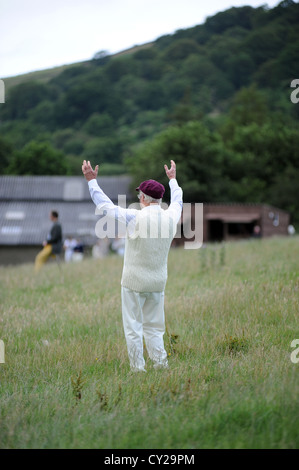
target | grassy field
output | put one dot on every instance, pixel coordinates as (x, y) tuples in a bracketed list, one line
[(231, 312)]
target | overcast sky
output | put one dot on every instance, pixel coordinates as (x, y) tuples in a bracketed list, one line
[(40, 34)]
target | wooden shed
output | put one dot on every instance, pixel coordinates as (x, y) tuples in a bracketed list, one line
[(237, 221), (228, 222)]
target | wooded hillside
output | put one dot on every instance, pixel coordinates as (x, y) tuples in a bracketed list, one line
[(215, 97)]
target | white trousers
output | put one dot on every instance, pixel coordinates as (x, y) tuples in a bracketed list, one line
[(143, 316)]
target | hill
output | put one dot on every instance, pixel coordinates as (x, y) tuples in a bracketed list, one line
[(46, 75), (224, 83)]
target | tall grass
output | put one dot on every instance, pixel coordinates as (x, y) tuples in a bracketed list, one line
[(231, 314)]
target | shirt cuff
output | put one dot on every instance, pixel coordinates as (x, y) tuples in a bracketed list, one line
[(173, 183), (92, 183)]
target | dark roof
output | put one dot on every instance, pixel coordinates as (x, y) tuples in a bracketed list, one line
[(59, 188), (26, 202), (28, 223)]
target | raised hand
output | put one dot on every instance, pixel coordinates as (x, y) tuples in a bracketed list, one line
[(88, 172), (171, 173)]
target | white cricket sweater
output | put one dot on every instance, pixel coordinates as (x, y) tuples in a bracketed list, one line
[(146, 250), (149, 235)]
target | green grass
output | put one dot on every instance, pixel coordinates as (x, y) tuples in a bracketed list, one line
[(231, 313)]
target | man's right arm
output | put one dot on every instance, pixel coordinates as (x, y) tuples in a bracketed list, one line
[(98, 196), (176, 193), (102, 201)]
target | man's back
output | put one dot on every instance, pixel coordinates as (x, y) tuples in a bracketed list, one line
[(146, 252)]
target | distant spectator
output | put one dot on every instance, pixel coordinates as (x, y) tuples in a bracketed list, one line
[(101, 249), (69, 244), (118, 246), (53, 244), (78, 252), (257, 231), (291, 230)]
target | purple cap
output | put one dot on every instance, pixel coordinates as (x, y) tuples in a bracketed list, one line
[(152, 188)]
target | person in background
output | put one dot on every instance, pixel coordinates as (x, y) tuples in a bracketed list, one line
[(257, 231), (78, 253), (101, 249), (150, 232), (291, 230), (118, 246), (69, 244), (52, 245)]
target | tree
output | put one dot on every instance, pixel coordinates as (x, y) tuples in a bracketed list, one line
[(43, 114), (198, 152), (181, 48), (6, 154), (249, 105), (38, 158), (240, 69), (153, 96), (99, 125), (229, 18), (265, 43), (24, 97), (283, 192), (104, 149), (263, 163), (101, 57)]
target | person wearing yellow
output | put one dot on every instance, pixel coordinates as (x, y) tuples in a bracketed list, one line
[(53, 244)]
